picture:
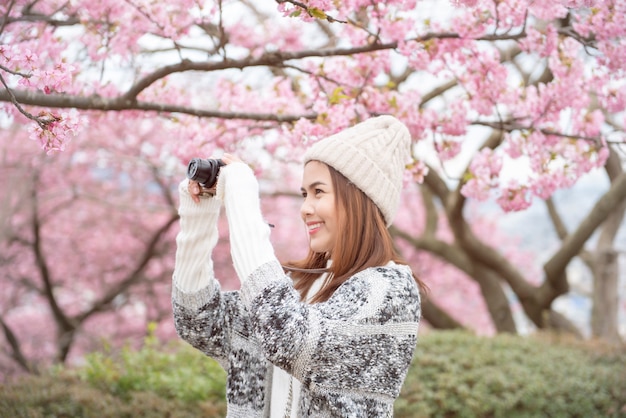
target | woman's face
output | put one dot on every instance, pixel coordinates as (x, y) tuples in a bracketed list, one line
[(318, 209)]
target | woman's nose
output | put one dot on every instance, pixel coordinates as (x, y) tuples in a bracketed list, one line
[(306, 208)]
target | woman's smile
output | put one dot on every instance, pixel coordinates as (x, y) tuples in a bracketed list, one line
[(314, 227)]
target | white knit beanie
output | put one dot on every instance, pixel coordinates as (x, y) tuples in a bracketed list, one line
[(372, 155)]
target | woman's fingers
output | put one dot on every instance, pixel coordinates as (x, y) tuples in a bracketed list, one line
[(194, 190)]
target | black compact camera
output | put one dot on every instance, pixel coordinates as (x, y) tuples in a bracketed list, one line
[(204, 172)]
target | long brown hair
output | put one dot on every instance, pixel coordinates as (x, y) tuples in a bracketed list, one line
[(364, 241)]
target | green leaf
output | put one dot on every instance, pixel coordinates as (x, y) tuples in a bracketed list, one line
[(317, 13), (337, 96)]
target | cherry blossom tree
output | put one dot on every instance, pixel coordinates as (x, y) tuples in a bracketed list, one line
[(507, 101), (85, 231)]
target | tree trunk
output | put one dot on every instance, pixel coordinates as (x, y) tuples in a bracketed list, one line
[(605, 298), (604, 264), (496, 300), (437, 317)]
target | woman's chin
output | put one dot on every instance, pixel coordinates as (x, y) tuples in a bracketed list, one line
[(319, 247)]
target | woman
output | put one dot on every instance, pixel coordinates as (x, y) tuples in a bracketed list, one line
[(335, 335)]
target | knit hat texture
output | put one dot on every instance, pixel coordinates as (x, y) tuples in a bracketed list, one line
[(372, 155)]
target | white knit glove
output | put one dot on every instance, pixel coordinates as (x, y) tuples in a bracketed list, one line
[(196, 240), (250, 244)]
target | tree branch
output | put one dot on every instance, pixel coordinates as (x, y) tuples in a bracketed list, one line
[(121, 104), (555, 283), (134, 276), (488, 280), (514, 126), (16, 350), (432, 217), (557, 222), (63, 322), (437, 317), (436, 184)]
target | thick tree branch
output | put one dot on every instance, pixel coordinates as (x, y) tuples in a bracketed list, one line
[(40, 18), (465, 237), (16, 350), (432, 217), (436, 184), (63, 322), (447, 252), (121, 104), (495, 298), (490, 257), (555, 283), (437, 317), (489, 283), (134, 276), (269, 59)]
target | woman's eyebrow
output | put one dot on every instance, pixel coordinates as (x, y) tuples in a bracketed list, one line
[(313, 185)]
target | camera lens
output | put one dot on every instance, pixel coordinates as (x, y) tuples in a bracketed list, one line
[(192, 169), (204, 172)]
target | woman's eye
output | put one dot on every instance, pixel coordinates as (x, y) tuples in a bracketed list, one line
[(318, 191)]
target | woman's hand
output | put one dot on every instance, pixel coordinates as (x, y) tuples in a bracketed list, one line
[(196, 190)]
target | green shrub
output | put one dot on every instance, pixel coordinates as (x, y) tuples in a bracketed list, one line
[(456, 374), (175, 381), (174, 372), (64, 395)]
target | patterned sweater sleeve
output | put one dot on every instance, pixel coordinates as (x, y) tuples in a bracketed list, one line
[(362, 338), (203, 315)]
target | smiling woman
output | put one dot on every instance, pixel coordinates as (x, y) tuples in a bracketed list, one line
[(287, 338)]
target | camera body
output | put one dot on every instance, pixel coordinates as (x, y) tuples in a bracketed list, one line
[(204, 171)]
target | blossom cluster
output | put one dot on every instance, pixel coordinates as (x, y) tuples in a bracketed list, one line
[(547, 75)]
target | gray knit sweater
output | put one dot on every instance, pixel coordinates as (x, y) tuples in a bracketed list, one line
[(351, 353)]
